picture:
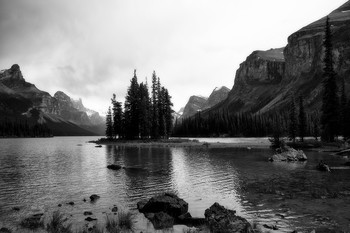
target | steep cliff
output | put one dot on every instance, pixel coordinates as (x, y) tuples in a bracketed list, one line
[(266, 79)]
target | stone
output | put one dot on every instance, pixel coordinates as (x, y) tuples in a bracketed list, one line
[(272, 227), (89, 219), (59, 205), (115, 209), (161, 220), (94, 197), (141, 204), (168, 203), (70, 203), (87, 213), (223, 220), (289, 154), (114, 167), (16, 208)]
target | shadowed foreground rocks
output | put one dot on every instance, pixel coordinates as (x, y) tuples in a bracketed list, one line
[(168, 209), (220, 219)]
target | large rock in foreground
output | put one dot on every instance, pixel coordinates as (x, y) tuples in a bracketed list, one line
[(167, 203), (223, 220), (163, 210), (289, 154)]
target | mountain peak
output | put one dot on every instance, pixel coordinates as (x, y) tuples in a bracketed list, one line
[(14, 73)]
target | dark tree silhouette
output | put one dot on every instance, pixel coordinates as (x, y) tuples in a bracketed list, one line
[(145, 111), (292, 127), (302, 119), (117, 118), (155, 110), (329, 118), (132, 110), (109, 124)]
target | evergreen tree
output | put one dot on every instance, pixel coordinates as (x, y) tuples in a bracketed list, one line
[(132, 109), (329, 119), (347, 122), (145, 111), (168, 113), (117, 118), (343, 109), (109, 124), (161, 112), (155, 106), (292, 133), (302, 119)]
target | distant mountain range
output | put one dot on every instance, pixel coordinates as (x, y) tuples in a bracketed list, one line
[(23, 101), (266, 80), (200, 103)]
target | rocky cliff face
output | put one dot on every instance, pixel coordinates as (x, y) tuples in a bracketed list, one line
[(200, 103), (267, 79), (18, 97)]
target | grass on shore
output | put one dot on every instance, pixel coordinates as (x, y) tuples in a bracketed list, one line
[(59, 223)]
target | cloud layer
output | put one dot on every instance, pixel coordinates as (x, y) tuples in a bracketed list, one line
[(89, 49)]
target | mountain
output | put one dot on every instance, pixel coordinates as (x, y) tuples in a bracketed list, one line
[(200, 103), (266, 80), (20, 100)]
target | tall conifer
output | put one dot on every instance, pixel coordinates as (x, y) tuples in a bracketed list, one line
[(329, 119)]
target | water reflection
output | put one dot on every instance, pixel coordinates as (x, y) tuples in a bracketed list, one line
[(39, 174)]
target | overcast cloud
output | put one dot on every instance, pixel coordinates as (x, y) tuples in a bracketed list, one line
[(89, 48)]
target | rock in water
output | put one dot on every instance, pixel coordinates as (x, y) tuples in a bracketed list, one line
[(289, 154), (163, 210), (223, 220), (94, 197), (323, 167), (160, 220), (168, 203), (114, 167)]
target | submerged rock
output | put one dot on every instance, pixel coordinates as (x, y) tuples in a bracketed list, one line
[(94, 197), (114, 167), (89, 219), (224, 220), (289, 154), (87, 213)]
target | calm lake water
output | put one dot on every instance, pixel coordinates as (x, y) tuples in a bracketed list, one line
[(38, 174)]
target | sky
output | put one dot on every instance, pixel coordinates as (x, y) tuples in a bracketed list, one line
[(90, 48)]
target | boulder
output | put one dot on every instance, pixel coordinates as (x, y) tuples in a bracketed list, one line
[(115, 209), (94, 197), (167, 203), (223, 220), (114, 167), (89, 219), (289, 154), (160, 220)]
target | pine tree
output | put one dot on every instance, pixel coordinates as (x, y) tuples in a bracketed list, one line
[(132, 110), (168, 113), (302, 119), (117, 118), (343, 108), (109, 124), (145, 111), (329, 119), (292, 133), (155, 111), (161, 112), (347, 122)]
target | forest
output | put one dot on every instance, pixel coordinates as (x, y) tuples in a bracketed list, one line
[(23, 129), (145, 115)]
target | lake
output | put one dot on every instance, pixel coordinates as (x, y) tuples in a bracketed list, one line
[(38, 174)]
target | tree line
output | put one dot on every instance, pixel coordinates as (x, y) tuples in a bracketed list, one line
[(329, 122), (23, 129), (145, 115)]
